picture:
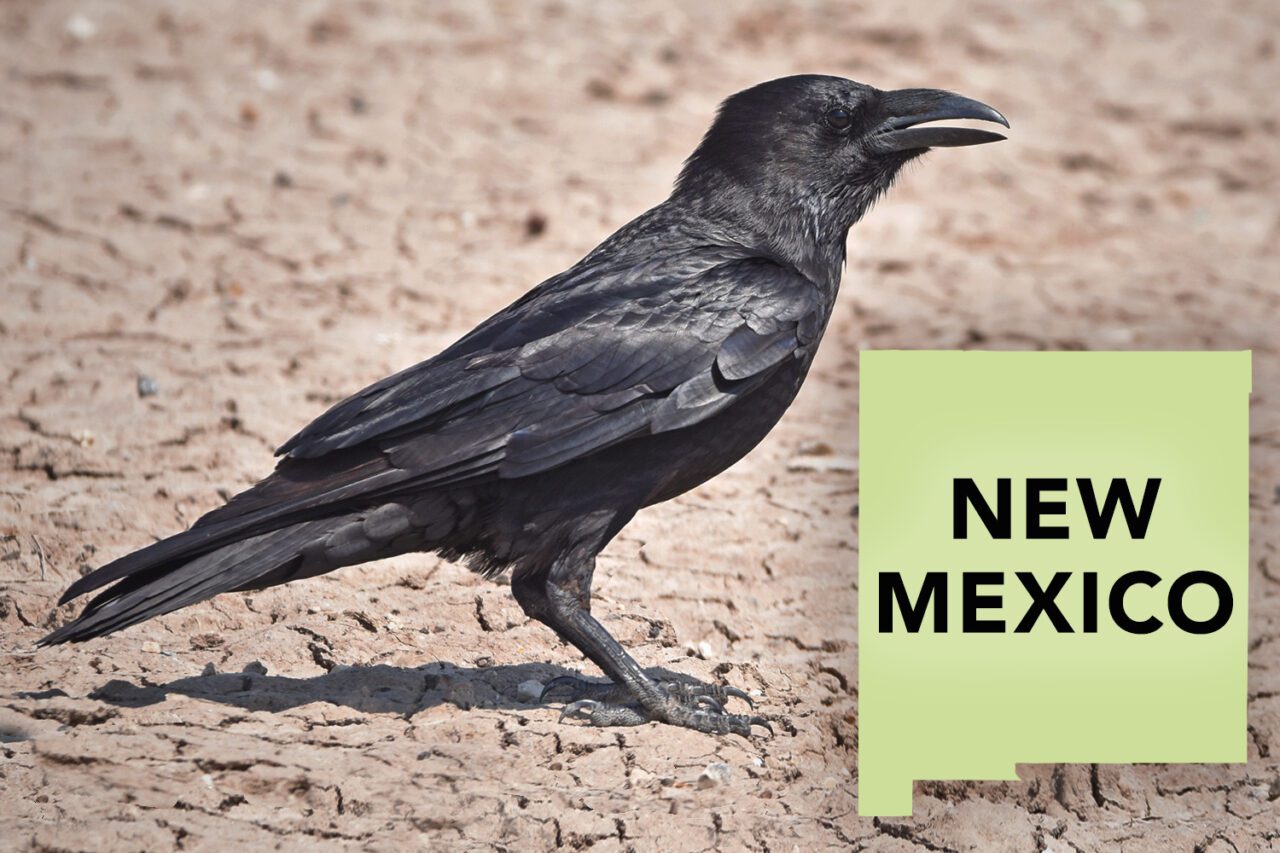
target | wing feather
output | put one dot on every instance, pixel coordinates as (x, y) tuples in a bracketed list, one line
[(578, 372)]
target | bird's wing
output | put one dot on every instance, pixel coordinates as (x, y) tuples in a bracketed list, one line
[(563, 374), (557, 376)]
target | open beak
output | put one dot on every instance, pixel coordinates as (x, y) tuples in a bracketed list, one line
[(906, 109)]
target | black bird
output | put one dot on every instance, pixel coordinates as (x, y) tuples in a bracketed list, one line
[(645, 369)]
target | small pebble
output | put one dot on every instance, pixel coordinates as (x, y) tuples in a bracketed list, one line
[(715, 773), (820, 464), (81, 28), (530, 692), (147, 386), (535, 224), (254, 668), (267, 80), (704, 650), (815, 448), (151, 647), (209, 669)]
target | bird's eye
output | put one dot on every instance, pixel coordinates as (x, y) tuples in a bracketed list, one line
[(838, 118)]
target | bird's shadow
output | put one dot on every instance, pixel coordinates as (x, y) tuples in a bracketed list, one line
[(375, 689)]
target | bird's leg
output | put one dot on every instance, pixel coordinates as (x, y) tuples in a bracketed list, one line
[(562, 600)]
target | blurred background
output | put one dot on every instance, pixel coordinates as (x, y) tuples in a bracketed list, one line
[(219, 218)]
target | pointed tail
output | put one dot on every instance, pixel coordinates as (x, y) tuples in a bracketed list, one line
[(301, 550)]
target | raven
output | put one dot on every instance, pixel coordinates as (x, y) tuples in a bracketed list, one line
[(642, 371)]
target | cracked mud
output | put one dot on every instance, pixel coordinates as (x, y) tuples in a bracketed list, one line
[(259, 209)]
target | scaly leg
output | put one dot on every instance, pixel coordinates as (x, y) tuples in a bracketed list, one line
[(561, 599)]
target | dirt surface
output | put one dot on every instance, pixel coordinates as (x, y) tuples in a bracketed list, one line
[(253, 209)]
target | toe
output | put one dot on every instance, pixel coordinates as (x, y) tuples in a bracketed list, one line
[(560, 682), (582, 709)]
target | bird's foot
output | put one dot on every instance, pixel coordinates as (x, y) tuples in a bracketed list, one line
[(693, 705), (573, 689)]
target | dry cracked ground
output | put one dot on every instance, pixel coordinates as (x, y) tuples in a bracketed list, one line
[(219, 218)]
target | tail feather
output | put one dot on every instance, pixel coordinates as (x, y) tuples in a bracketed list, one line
[(263, 560), (297, 492), (175, 549)]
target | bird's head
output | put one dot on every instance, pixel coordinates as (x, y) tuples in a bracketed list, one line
[(817, 151)]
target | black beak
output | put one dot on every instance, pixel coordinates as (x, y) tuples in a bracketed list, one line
[(906, 108)]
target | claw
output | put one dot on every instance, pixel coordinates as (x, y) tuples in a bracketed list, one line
[(695, 705), (740, 694), (573, 708), (558, 681)]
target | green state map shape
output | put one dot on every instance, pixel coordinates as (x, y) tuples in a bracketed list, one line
[(971, 706)]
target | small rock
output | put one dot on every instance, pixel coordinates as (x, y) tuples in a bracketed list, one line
[(267, 80), (147, 386), (254, 668), (209, 669), (601, 89), (715, 773), (151, 647), (283, 180), (815, 448), (704, 650), (842, 464), (535, 224), (81, 28), (530, 692), (83, 437), (1116, 335)]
